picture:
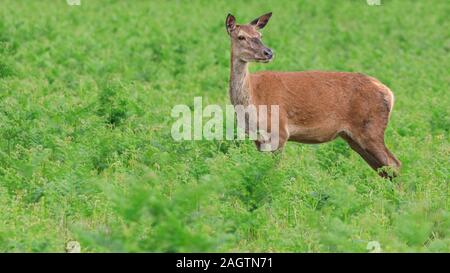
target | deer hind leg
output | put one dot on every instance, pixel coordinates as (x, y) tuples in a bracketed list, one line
[(373, 162), (375, 153), (386, 159)]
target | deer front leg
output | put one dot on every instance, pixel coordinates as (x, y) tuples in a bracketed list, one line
[(272, 141)]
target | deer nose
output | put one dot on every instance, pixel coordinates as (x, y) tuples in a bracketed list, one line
[(268, 53)]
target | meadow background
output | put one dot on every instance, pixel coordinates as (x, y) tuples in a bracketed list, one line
[(86, 152)]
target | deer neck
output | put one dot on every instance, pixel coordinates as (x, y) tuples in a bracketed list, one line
[(239, 82)]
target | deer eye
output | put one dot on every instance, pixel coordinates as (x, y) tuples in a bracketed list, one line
[(241, 38)]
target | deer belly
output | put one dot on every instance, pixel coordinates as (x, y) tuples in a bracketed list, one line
[(312, 135)]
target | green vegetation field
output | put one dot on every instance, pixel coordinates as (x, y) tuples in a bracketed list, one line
[(86, 152)]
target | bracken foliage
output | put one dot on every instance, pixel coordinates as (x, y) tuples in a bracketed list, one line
[(86, 152)]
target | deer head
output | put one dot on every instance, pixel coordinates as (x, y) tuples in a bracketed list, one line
[(246, 44)]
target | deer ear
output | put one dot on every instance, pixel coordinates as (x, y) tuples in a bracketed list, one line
[(230, 23), (261, 21)]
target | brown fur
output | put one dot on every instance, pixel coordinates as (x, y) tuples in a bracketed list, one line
[(315, 106)]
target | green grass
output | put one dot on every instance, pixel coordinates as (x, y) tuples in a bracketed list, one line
[(86, 152)]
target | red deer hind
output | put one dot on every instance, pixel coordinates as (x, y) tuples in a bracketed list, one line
[(314, 106)]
